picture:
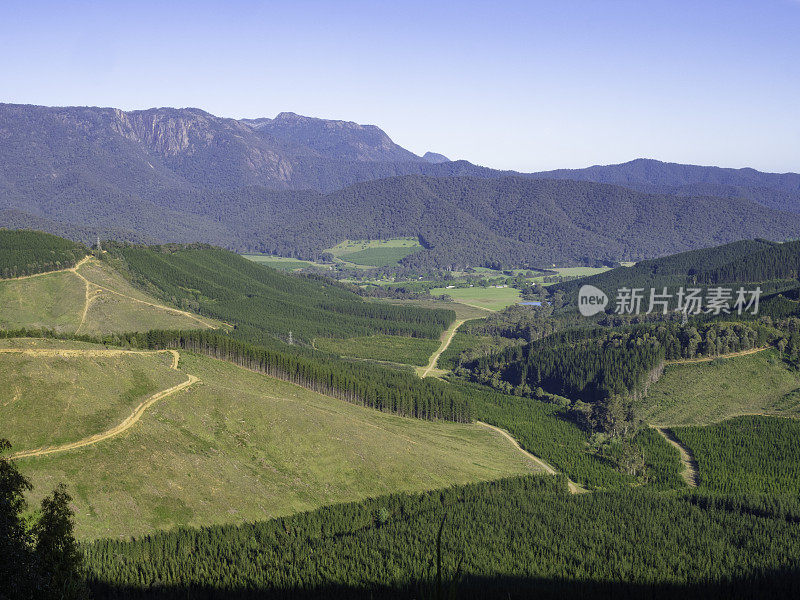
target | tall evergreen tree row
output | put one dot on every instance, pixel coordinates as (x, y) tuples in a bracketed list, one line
[(29, 252), (265, 302)]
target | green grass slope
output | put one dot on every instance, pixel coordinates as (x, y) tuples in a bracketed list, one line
[(51, 396), (239, 446), (391, 348), (707, 392), (62, 302), (489, 298), (51, 301)]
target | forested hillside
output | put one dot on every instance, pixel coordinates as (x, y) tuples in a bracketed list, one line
[(296, 185), (512, 538), (260, 300), (749, 261), (30, 252), (509, 221), (775, 190), (597, 373)]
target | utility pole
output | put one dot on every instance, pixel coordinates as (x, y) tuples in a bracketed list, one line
[(291, 340)]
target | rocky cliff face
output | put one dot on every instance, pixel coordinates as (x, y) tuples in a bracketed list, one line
[(168, 147), (337, 140)]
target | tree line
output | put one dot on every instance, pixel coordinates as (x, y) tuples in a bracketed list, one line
[(265, 302), (519, 537), (39, 557), (29, 252), (369, 385)]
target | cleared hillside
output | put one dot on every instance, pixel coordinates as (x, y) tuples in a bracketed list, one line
[(238, 446), (711, 391), (90, 299), (58, 392)]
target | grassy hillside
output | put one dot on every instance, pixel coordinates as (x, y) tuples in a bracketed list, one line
[(52, 395), (392, 348), (29, 252), (706, 392), (92, 300), (375, 253), (239, 446), (53, 301), (262, 301), (747, 455)]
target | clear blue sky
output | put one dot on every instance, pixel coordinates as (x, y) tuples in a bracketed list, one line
[(518, 85)]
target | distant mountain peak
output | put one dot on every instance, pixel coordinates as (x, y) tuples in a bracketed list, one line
[(435, 158)]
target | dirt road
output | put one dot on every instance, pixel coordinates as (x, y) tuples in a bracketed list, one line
[(447, 337), (128, 422), (90, 297), (73, 269), (689, 473), (689, 361), (574, 488)]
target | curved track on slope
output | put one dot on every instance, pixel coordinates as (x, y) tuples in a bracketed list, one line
[(450, 333), (574, 488), (118, 429), (89, 299), (690, 473)]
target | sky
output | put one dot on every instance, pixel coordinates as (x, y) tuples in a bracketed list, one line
[(527, 86)]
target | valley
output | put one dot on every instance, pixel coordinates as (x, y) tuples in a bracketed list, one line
[(299, 360)]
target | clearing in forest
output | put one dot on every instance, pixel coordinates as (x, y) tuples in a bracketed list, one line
[(714, 390), (238, 446)]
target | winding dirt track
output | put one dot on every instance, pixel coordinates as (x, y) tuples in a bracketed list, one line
[(450, 333), (689, 473), (129, 421), (690, 361), (574, 488), (73, 269), (99, 287)]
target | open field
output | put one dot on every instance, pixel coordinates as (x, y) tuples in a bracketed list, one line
[(708, 392), (375, 253), (392, 348), (462, 311), (239, 446), (52, 396), (579, 271), (487, 298), (280, 262), (90, 299)]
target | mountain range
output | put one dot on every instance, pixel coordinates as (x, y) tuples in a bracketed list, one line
[(296, 185)]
